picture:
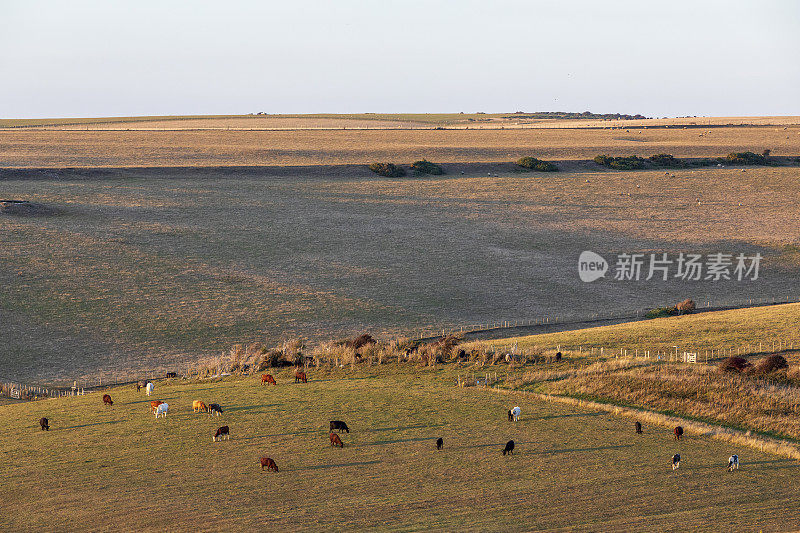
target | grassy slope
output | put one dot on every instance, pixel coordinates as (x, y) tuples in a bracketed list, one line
[(742, 328), (573, 469)]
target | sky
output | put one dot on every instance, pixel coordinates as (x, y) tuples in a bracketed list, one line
[(86, 58)]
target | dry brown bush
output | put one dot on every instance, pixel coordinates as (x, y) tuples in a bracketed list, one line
[(734, 364)]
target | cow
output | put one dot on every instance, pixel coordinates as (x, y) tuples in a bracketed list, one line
[(515, 412), (161, 410), (733, 462), (224, 431), (300, 376), (267, 379), (509, 449), (154, 405), (149, 388), (107, 400), (338, 425), (214, 409), (172, 374), (439, 443), (510, 416), (335, 440), (638, 428), (678, 432), (198, 406), (269, 463), (676, 461), (139, 386), (45, 424)]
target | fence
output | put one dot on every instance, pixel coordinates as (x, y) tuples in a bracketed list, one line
[(577, 318)]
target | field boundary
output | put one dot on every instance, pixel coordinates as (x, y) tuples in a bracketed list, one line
[(734, 436)]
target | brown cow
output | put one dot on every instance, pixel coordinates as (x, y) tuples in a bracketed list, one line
[(198, 406), (107, 400), (269, 463), (638, 428), (300, 376), (45, 424), (154, 405), (678, 432), (224, 431), (335, 440), (267, 378)]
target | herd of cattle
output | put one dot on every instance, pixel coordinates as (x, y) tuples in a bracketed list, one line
[(160, 408)]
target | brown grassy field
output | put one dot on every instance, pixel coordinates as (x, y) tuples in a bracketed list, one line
[(54, 149), (573, 469), (147, 269)]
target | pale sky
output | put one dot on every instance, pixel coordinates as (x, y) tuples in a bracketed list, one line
[(163, 57)]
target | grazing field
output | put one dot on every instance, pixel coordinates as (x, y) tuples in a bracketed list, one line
[(146, 269), (204, 148), (572, 469)]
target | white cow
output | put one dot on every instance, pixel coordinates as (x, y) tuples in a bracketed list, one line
[(515, 412), (149, 388), (733, 463), (162, 410)]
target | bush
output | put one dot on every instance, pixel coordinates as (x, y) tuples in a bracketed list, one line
[(746, 158), (734, 364), (532, 163), (426, 167), (621, 163), (685, 307), (665, 160), (389, 170), (770, 363), (661, 312)]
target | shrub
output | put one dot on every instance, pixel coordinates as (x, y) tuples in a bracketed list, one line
[(734, 364), (661, 312), (389, 170), (685, 307), (362, 340), (766, 152), (426, 167), (746, 158), (665, 160), (532, 163), (621, 163), (770, 363)]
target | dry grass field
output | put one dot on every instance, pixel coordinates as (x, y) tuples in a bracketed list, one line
[(118, 468), (146, 269), (203, 148)]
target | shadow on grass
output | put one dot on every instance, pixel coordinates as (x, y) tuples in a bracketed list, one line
[(86, 425), (290, 434), (397, 441), (248, 407), (325, 467), (418, 426)]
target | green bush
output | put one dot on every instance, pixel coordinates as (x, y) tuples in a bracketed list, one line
[(661, 312), (532, 163), (621, 163), (426, 167), (389, 170), (665, 160), (746, 158)]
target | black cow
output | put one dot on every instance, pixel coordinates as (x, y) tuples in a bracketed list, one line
[(45, 424), (338, 425), (509, 449), (638, 428), (439, 443)]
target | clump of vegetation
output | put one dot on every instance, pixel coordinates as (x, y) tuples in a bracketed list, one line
[(621, 163), (734, 364), (746, 158), (685, 307), (531, 163), (426, 167), (388, 170), (661, 312), (665, 160), (770, 363)]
